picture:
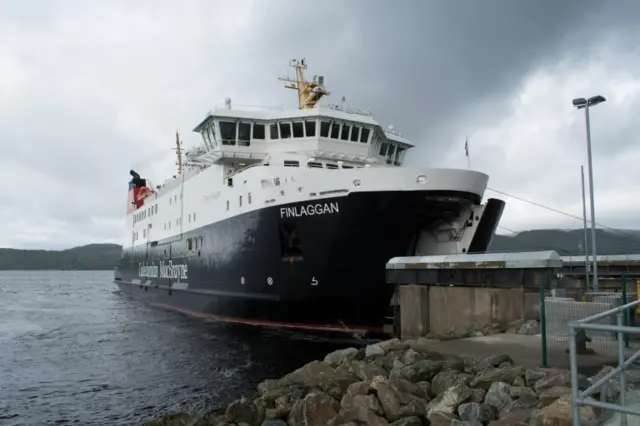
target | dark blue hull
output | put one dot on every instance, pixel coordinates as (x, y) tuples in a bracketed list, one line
[(320, 267)]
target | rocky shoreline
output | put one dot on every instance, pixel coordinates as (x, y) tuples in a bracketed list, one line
[(404, 383)]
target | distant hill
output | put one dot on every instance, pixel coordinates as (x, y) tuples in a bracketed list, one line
[(106, 256), (89, 257), (569, 242)]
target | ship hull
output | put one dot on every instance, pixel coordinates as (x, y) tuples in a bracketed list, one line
[(316, 265)]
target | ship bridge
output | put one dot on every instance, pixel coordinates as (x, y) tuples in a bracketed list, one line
[(332, 136)]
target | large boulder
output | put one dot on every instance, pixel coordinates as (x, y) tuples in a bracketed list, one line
[(316, 409), (560, 413), (492, 375)]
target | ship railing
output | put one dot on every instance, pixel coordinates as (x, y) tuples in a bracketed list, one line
[(247, 107), (578, 398)]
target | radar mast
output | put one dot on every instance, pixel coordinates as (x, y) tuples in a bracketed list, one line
[(179, 150), (309, 92)]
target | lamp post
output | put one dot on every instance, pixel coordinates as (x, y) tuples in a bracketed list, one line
[(581, 103), (586, 240)]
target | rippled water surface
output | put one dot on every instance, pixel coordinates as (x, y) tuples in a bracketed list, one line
[(75, 351)]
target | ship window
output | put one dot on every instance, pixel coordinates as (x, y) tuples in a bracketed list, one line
[(335, 130), (331, 166), (314, 165), (291, 163), (290, 248), (228, 132), (156, 206), (169, 225), (273, 131), (144, 233), (364, 135), (201, 242), (258, 131), (310, 128), (240, 200), (189, 244), (249, 198), (298, 129), (194, 217), (355, 133), (400, 156), (227, 204), (345, 132), (189, 218), (390, 153), (383, 149), (244, 134), (165, 226), (285, 130), (324, 129)]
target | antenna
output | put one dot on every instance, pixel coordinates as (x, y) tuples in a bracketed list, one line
[(309, 92), (179, 151)]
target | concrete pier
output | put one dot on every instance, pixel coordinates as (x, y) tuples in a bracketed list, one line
[(438, 294)]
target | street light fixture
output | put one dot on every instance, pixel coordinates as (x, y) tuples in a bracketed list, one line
[(581, 103)]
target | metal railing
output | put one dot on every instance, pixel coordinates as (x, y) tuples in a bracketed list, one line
[(583, 398)]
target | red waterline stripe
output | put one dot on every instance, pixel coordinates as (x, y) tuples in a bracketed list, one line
[(299, 326)]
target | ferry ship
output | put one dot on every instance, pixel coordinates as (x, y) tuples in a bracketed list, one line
[(287, 217)]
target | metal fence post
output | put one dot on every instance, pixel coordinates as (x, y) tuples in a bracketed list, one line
[(624, 302), (543, 319), (573, 363), (621, 376)]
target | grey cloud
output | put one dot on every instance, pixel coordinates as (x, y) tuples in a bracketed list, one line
[(103, 87)]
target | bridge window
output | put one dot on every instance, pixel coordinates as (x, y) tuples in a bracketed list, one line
[(364, 135), (291, 163), (383, 149), (400, 152), (391, 153), (324, 129), (273, 132), (335, 131), (345, 132), (298, 129), (285, 130), (331, 166), (258, 131), (355, 133), (211, 132), (189, 244), (314, 165), (347, 167), (244, 134), (228, 132), (310, 128)]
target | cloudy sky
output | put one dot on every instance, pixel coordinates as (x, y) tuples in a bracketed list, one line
[(90, 89)]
